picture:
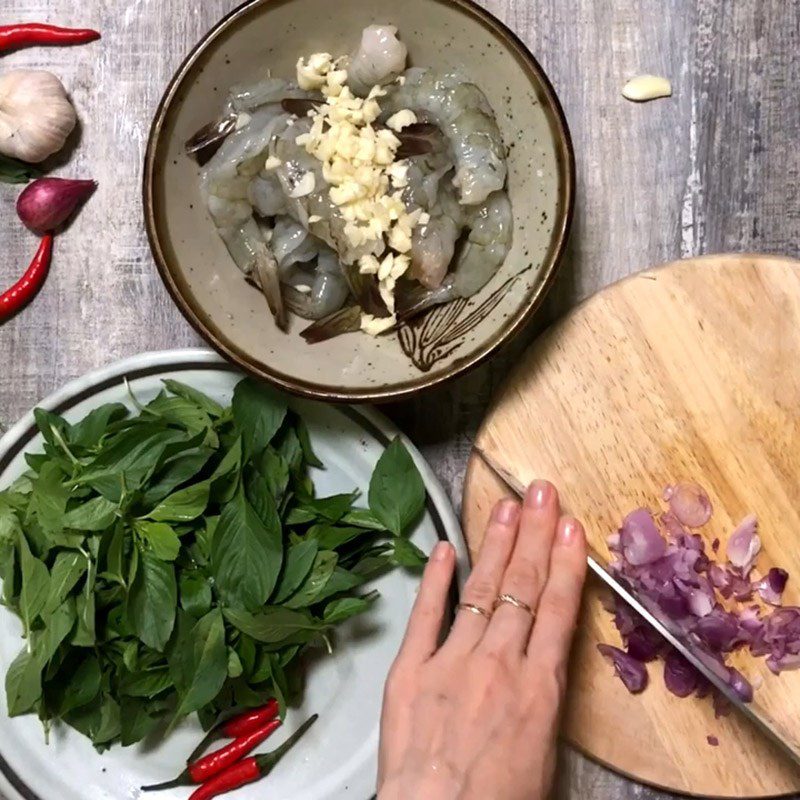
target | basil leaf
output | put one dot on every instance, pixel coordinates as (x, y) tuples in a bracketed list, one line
[(49, 499), (176, 470), (151, 601), (299, 561), (396, 490), (225, 478), (274, 470), (58, 625), (339, 610), (205, 664), (146, 684), (162, 539), (85, 606), (110, 723), (331, 508), (330, 537), (83, 686), (342, 580), (195, 591), (362, 518), (96, 514), (14, 171), (202, 401), (35, 585), (51, 426), (136, 723), (273, 624), (289, 448), (258, 412), (246, 555), (313, 585), (305, 443), (235, 668), (88, 432), (23, 684), (406, 554), (184, 505)]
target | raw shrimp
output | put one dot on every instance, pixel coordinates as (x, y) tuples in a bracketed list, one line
[(462, 111), (251, 96), (242, 155), (292, 244), (318, 293), (486, 247), (433, 244), (265, 195), (380, 58), (491, 226)]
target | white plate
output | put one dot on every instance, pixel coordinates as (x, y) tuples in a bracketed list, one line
[(337, 757)]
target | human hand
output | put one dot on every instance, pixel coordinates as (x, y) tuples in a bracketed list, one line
[(477, 717)]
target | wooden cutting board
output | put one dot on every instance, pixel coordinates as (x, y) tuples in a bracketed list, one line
[(686, 372)]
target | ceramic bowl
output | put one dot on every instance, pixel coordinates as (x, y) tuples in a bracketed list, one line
[(232, 316)]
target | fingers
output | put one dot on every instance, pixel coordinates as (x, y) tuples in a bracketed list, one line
[(424, 625), (483, 583), (527, 570), (561, 599)]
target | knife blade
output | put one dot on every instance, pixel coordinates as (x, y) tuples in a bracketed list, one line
[(786, 741)]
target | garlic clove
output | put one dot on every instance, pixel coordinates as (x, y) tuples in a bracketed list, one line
[(36, 116), (646, 87)]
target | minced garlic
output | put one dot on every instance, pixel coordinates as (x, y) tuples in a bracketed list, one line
[(358, 161), (376, 325)]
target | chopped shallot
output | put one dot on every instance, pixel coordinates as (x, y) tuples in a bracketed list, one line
[(702, 599)]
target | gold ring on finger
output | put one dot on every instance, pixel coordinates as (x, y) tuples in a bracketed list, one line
[(513, 601), (472, 608)]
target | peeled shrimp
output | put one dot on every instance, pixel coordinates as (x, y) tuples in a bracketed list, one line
[(380, 58), (462, 111), (314, 294), (251, 96), (265, 195), (433, 244), (292, 244), (491, 227)]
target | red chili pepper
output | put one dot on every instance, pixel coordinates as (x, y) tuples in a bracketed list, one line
[(28, 34), (248, 770), (23, 291), (221, 759), (240, 725)]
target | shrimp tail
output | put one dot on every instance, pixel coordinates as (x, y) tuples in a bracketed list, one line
[(267, 277), (345, 320)]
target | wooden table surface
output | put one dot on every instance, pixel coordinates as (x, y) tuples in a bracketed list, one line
[(714, 168)]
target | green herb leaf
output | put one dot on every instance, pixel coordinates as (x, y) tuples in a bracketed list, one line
[(86, 606), (273, 624), (331, 508), (305, 443), (49, 498), (184, 505), (331, 537), (148, 683), (195, 592), (204, 665), (35, 585), (83, 686), (235, 668), (96, 514), (14, 171), (314, 584), (246, 555), (211, 407), (406, 554), (396, 490), (258, 412), (136, 723), (162, 539), (88, 432), (299, 561), (57, 626), (152, 600), (339, 610), (23, 684)]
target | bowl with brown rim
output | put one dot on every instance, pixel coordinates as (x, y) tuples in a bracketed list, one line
[(443, 343)]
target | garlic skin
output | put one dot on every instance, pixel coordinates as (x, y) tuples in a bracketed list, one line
[(36, 115)]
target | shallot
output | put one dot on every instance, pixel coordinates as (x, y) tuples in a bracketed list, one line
[(47, 203)]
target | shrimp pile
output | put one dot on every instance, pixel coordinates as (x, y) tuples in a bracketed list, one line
[(363, 192)]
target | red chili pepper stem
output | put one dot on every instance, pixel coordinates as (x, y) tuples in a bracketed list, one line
[(239, 725), (208, 766), (24, 290), (248, 770), (29, 34)]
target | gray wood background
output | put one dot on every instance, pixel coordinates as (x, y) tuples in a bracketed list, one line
[(714, 168)]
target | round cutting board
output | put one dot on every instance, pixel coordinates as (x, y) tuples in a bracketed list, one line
[(686, 372)]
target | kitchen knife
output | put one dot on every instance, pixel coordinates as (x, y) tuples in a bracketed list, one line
[(691, 652)]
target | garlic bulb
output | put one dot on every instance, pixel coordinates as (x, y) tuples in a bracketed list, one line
[(36, 115)]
